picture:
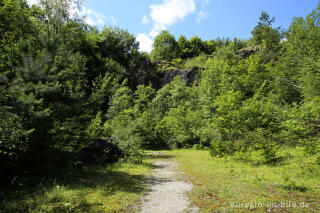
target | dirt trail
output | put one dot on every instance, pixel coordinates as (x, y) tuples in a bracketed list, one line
[(167, 193)]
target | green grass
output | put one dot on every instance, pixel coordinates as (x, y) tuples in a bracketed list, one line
[(112, 188), (223, 185), (219, 183)]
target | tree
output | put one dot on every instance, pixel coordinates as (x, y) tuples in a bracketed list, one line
[(143, 97), (304, 48), (184, 47), (196, 46), (165, 47), (264, 34), (121, 100), (119, 45), (15, 24), (210, 47)]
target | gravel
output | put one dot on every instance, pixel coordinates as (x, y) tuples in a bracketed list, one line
[(167, 192)]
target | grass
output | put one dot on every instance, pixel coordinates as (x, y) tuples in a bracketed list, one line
[(111, 188), (231, 185)]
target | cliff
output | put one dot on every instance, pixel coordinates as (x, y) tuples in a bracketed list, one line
[(159, 79)]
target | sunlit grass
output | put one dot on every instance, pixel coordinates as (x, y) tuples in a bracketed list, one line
[(224, 184)]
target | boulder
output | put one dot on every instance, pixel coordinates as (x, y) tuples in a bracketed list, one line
[(99, 151)]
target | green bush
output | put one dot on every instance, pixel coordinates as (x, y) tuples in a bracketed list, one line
[(268, 147), (303, 125), (180, 127), (220, 148), (123, 128), (95, 128)]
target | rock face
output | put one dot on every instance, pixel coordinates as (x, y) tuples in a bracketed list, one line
[(99, 151), (188, 76), (159, 79), (245, 53)]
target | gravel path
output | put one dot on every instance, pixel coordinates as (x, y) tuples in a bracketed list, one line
[(167, 193)]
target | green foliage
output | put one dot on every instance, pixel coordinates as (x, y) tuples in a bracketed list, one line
[(303, 125), (64, 83), (262, 142), (95, 128), (179, 128), (123, 127), (68, 135), (303, 48), (118, 45), (146, 125), (15, 24), (165, 47), (171, 96), (196, 46), (13, 137), (121, 100), (264, 34), (122, 124), (143, 96), (199, 61), (104, 86), (184, 47), (61, 82)]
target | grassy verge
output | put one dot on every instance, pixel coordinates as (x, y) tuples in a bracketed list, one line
[(231, 185), (112, 188)]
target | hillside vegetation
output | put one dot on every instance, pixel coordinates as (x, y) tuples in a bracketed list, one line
[(64, 83)]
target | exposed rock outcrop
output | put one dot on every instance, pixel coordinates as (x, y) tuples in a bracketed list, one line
[(246, 52), (159, 79), (188, 76)]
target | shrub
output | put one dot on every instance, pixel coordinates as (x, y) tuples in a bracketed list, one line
[(179, 128), (303, 125), (95, 128), (220, 148), (268, 147), (123, 128)]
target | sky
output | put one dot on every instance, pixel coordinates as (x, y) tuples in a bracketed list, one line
[(208, 19)]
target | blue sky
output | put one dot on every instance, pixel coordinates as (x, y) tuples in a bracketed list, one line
[(207, 19)]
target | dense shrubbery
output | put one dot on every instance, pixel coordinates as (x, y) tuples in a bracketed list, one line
[(259, 103), (58, 78), (64, 83)]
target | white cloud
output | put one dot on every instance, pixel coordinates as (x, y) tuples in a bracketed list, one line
[(89, 21), (201, 16), (31, 2), (156, 29), (114, 21), (169, 12), (145, 20), (205, 3), (100, 21), (92, 17), (145, 42)]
